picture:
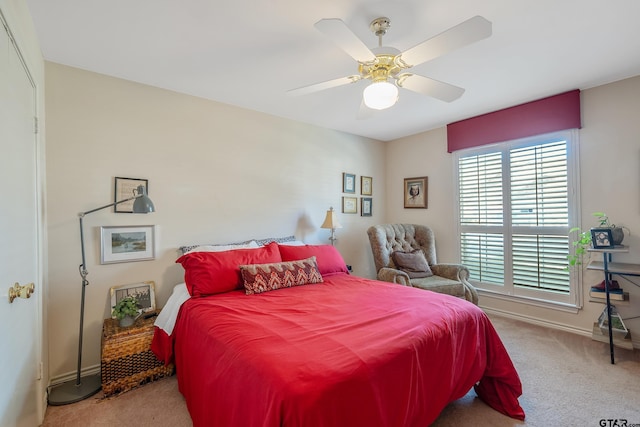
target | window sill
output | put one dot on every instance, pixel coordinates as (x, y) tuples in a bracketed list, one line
[(552, 305)]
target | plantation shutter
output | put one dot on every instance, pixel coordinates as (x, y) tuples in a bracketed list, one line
[(481, 208), (540, 216), (513, 211)]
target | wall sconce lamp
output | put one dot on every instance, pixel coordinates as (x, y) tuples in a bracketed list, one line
[(331, 221), (82, 387)]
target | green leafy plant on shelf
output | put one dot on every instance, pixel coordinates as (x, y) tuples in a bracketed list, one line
[(582, 239), (127, 306)]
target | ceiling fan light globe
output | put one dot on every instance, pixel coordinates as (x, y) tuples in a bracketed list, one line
[(380, 95)]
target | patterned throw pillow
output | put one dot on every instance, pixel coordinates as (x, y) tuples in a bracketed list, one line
[(268, 277)]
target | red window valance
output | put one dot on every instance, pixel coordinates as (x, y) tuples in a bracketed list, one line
[(555, 113)]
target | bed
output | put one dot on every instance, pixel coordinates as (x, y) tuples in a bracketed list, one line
[(324, 348)]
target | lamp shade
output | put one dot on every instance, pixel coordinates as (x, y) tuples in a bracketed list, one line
[(142, 203), (331, 220), (380, 95)]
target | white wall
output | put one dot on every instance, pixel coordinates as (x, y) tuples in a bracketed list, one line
[(216, 173), (610, 182)]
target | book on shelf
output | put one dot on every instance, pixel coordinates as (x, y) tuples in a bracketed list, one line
[(614, 294)]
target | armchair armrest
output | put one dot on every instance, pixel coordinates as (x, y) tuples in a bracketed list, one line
[(459, 273), (392, 275), (451, 271)]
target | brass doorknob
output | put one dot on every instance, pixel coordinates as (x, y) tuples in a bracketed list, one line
[(18, 291)]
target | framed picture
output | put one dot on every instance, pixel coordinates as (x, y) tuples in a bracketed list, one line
[(348, 183), (366, 185), (144, 292), (415, 192), (350, 205), (126, 188), (366, 206), (127, 243), (601, 238)]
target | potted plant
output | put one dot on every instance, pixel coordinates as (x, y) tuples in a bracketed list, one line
[(582, 241), (126, 310), (616, 231)]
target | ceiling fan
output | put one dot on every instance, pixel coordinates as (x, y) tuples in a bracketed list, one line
[(385, 66)]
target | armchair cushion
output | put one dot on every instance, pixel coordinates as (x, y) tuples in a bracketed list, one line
[(413, 263)]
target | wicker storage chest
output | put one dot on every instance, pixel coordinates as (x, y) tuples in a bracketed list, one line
[(127, 359)]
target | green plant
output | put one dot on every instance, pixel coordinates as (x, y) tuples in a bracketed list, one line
[(127, 306), (582, 242)]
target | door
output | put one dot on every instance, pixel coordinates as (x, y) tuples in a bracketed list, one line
[(21, 400)]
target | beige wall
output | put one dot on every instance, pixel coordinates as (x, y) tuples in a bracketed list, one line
[(216, 174), (219, 173), (610, 182)]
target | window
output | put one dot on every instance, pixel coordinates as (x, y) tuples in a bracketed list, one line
[(515, 207)]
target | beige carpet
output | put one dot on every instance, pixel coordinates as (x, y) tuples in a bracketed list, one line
[(567, 381)]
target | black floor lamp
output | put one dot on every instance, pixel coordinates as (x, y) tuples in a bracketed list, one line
[(82, 387)]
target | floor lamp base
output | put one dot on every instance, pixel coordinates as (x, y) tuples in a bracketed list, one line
[(69, 392)]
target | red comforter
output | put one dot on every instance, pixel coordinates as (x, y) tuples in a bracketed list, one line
[(347, 352)]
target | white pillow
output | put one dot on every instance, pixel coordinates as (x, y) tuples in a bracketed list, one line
[(293, 243), (221, 248)]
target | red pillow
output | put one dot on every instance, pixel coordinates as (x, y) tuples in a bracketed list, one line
[(328, 258), (208, 273)]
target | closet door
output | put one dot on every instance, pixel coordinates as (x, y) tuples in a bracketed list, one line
[(20, 339)]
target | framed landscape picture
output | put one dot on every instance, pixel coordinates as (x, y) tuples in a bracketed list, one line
[(127, 243)]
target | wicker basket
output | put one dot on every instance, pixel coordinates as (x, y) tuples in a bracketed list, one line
[(127, 359)]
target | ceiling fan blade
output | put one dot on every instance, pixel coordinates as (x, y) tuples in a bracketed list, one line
[(467, 32), (341, 35), (323, 85), (430, 87)]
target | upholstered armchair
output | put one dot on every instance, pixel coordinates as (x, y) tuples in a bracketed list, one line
[(406, 239)]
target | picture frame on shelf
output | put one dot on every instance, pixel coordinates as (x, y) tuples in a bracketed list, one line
[(127, 243), (366, 208), (144, 292), (366, 185), (348, 183), (125, 188), (349, 205), (602, 238), (416, 192)]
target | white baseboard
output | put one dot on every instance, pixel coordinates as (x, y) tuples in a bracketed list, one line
[(59, 379), (552, 325)]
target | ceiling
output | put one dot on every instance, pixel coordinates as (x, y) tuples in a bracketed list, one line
[(248, 53)]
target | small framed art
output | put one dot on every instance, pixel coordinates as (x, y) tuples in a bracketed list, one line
[(349, 205), (144, 292), (126, 188), (348, 183), (366, 206), (415, 192), (601, 238), (127, 243), (366, 185)]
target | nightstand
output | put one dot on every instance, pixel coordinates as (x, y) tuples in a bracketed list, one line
[(127, 360)]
